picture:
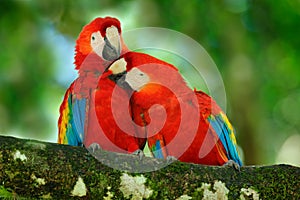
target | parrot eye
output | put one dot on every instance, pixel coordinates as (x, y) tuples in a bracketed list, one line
[(137, 79), (97, 43), (95, 37)]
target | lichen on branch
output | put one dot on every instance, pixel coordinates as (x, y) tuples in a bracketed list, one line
[(35, 170)]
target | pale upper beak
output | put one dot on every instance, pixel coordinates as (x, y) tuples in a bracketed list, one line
[(112, 46), (134, 79), (118, 73)]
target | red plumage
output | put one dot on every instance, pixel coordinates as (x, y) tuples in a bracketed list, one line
[(176, 120), (115, 131), (85, 113)]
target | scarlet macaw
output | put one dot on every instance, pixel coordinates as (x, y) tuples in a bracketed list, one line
[(177, 121), (98, 45)]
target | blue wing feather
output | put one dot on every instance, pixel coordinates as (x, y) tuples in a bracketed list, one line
[(79, 113), (157, 153), (226, 135), (72, 120)]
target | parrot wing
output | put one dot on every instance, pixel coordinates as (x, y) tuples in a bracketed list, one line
[(157, 146), (72, 119), (225, 132), (220, 124)]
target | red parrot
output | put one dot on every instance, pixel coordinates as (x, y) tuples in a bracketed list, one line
[(111, 110), (98, 45), (177, 121)]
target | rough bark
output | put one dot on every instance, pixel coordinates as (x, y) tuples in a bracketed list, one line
[(33, 170)]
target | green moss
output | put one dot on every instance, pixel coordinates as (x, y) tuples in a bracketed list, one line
[(98, 184), (198, 192), (61, 165), (5, 193)]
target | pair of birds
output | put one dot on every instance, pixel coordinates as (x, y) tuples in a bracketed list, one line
[(123, 99)]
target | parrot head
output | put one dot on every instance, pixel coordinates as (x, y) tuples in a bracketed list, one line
[(134, 79), (101, 38), (139, 72)]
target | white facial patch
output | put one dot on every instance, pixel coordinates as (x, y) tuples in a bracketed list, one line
[(113, 36), (118, 66), (97, 43), (137, 79)]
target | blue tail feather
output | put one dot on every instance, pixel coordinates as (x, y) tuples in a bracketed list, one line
[(223, 131), (157, 152)]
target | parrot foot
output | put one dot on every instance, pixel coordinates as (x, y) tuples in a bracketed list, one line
[(233, 164), (94, 147), (139, 153), (171, 159)]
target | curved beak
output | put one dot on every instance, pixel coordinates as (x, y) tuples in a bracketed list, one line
[(120, 79), (118, 73), (112, 46), (123, 83)]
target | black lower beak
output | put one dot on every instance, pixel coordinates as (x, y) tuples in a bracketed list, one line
[(119, 79)]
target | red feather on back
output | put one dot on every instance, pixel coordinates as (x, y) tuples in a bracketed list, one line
[(178, 121), (88, 99)]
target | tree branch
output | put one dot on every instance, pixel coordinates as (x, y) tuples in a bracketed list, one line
[(33, 169)]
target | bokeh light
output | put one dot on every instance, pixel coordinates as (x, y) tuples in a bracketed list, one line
[(255, 45)]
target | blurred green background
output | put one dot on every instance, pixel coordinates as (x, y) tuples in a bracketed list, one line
[(255, 44)]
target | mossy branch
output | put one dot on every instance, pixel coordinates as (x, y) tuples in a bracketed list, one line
[(35, 170)]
